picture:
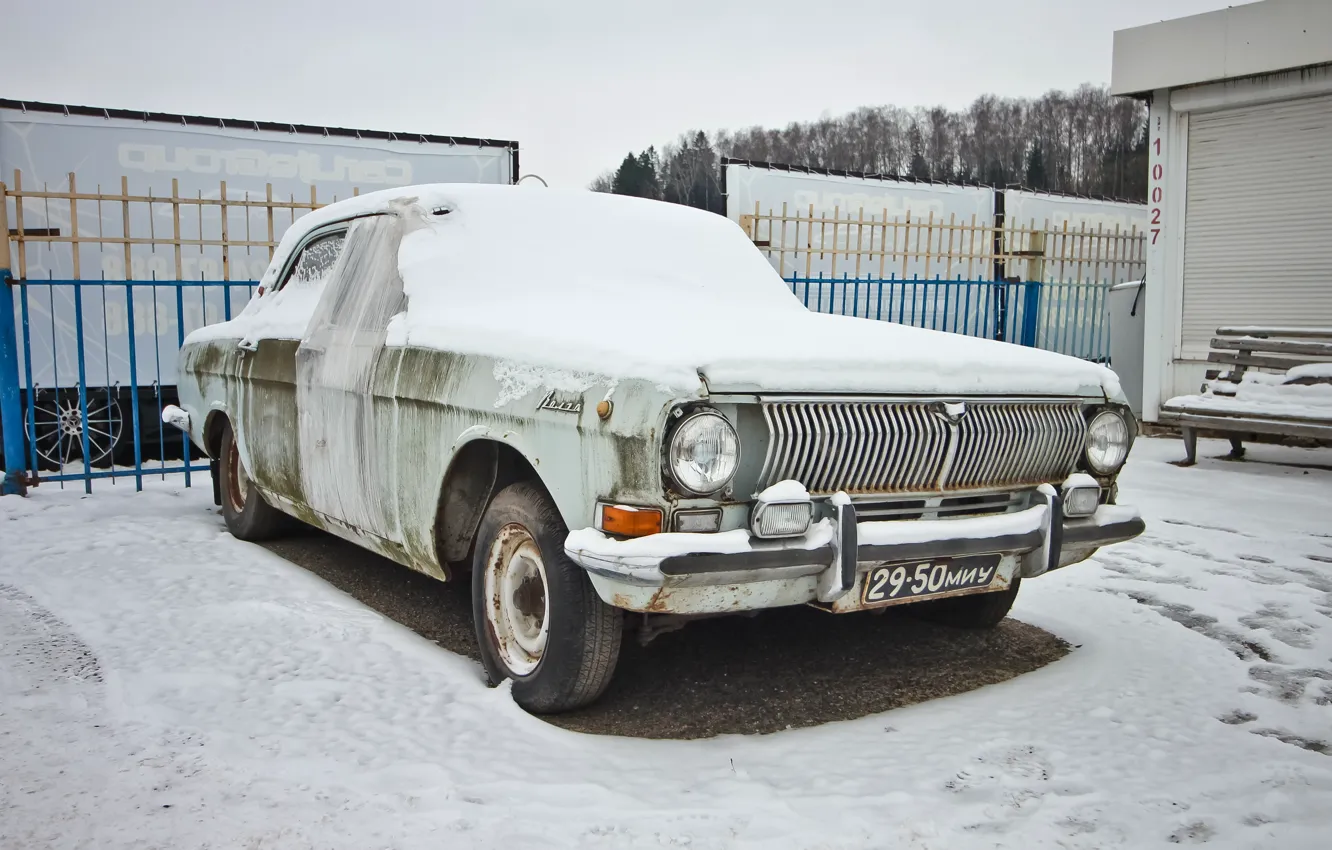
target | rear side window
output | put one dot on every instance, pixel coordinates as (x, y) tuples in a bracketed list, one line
[(316, 261)]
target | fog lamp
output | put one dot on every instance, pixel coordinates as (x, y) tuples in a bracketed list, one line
[(780, 519), (1081, 501)]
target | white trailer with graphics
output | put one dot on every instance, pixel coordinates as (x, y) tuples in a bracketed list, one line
[(114, 195)]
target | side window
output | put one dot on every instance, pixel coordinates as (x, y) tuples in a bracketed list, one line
[(316, 261), (365, 292)]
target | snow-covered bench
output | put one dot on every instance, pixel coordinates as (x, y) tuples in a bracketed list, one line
[(1270, 381)]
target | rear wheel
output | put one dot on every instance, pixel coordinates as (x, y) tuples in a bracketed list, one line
[(978, 611), (247, 515), (538, 620)]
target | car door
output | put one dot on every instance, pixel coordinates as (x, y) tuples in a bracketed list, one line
[(344, 384), (266, 407)]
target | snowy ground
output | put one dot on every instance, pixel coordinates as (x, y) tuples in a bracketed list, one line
[(163, 685)]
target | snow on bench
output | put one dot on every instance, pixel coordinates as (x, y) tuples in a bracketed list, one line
[(1276, 381)]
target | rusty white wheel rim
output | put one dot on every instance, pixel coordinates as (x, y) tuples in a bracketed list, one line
[(517, 601), (238, 483)]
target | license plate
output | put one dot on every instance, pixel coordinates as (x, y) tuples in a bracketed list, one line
[(895, 582)]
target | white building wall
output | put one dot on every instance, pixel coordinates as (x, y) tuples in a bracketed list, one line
[(1239, 41), (1264, 52), (1166, 372), (1167, 165)]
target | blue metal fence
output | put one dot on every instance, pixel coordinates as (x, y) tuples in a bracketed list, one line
[(1065, 317), (86, 366), (99, 416)]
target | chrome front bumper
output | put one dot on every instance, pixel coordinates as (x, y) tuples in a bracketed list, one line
[(730, 571)]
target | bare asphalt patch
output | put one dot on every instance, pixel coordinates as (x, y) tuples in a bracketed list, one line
[(781, 669)]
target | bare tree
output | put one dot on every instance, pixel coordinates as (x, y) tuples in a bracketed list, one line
[(1079, 142)]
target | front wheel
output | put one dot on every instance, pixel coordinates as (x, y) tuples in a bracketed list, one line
[(538, 620), (977, 611), (247, 515)]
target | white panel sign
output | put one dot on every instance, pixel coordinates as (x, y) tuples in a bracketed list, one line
[(1057, 212), (751, 187), (748, 185)]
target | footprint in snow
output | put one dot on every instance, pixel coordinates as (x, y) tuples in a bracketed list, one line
[(1199, 525), (1289, 684), (1243, 648), (1311, 744), (1198, 832), (1142, 575), (1276, 619)]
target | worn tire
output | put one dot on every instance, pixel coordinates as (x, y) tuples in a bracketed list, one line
[(247, 515), (582, 634), (978, 611)]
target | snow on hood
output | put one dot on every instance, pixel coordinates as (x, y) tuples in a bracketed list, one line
[(636, 289)]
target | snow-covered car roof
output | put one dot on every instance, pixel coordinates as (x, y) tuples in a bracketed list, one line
[(617, 287)]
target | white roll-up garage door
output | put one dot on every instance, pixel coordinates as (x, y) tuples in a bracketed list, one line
[(1258, 219)]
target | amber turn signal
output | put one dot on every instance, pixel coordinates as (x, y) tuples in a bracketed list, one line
[(630, 522)]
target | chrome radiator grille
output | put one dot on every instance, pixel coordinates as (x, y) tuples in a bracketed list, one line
[(917, 447)]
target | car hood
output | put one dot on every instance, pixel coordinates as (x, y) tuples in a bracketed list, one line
[(834, 354), (775, 352)]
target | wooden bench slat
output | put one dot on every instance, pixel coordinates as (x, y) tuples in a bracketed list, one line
[(1290, 333), (1245, 414), (1313, 349), (1257, 360), (1311, 429)]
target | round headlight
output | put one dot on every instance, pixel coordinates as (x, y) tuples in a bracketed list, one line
[(704, 453), (1107, 442)]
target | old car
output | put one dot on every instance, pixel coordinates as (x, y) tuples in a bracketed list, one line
[(609, 411)]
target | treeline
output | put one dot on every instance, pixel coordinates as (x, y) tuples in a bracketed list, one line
[(1083, 142)]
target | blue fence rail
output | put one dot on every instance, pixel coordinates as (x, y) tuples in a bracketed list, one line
[(86, 368), (1065, 317)]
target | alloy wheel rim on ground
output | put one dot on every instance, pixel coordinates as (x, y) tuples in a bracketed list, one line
[(238, 483), (58, 426), (516, 599)]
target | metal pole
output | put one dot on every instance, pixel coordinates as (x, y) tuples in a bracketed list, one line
[(11, 409), (1000, 272)]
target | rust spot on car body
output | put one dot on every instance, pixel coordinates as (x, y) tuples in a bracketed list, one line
[(633, 467)]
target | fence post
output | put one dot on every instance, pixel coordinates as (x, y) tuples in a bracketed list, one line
[(1031, 311), (1031, 298), (11, 410)]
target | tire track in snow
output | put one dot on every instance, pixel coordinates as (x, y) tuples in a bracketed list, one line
[(51, 704), (41, 654)]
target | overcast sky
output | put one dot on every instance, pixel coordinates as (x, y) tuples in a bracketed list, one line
[(577, 82)]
